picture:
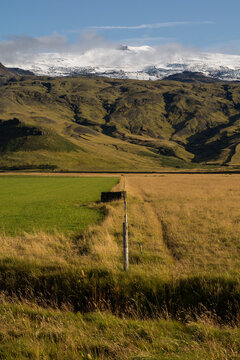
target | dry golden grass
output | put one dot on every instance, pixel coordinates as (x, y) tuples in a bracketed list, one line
[(105, 239), (191, 223), (187, 224), (41, 248), (30, 332), (96, 245)]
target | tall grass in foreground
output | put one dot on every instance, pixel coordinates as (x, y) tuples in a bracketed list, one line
[(30, 332), (124, 294)]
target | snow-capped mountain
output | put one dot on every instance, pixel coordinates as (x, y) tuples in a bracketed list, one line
[(143, 62)]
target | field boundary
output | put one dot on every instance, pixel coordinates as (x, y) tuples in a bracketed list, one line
[(117, 173)]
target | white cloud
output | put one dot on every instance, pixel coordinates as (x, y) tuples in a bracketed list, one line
[(130, 58), (92, 49), (149, 26), (16, 45)]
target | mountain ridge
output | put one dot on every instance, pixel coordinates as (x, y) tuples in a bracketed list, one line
[(93, 123), (191, 76), (4, 71)]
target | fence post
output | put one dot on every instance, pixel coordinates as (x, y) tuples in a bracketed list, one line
[(125, 231)]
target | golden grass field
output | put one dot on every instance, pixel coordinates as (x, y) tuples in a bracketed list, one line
[(189, 225), (186, 223), (190, 222)]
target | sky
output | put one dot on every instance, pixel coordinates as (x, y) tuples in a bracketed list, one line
[(209, 25)]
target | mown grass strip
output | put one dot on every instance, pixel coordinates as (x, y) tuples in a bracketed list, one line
[(32, 204)]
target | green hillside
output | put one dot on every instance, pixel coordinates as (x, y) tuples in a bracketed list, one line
[(91, 123)]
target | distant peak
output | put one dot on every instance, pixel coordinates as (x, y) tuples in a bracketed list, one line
[(5, 71), (123, 47)]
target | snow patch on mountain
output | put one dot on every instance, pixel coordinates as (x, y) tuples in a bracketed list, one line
[(129, 62)]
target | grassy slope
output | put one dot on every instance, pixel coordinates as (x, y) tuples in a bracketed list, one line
[(121, 124)]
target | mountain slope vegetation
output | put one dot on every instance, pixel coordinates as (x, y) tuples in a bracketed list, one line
[(92, 123)]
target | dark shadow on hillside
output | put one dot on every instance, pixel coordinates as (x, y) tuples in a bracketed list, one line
[(14, 130), (204, 150)]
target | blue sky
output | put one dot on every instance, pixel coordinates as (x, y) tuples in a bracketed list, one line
[(205, 24)]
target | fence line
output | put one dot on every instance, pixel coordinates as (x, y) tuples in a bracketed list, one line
[(125, 230)]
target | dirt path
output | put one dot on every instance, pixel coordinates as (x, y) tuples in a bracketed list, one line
[(145, 225)]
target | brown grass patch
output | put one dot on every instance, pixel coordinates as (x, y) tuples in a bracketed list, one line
[(193, 220)]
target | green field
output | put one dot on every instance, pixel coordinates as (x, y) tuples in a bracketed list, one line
[(49, 204)]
